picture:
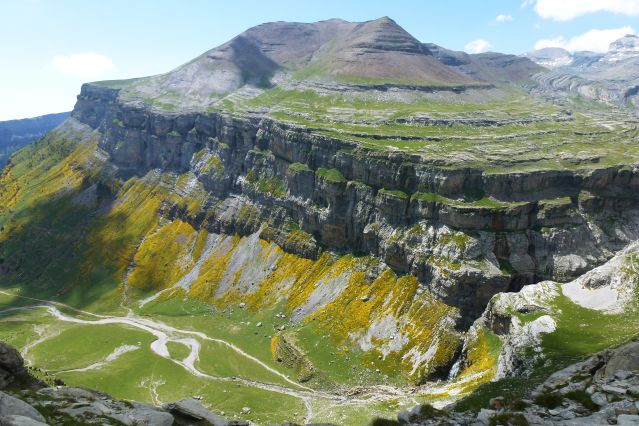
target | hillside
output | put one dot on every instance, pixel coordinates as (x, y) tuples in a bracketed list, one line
[(334, 219), (14, 134)]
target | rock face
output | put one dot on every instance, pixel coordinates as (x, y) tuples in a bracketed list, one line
[(353, 199), (31, 403), (600, 390), (11, 365)]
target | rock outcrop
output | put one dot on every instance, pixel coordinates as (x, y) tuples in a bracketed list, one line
[(602, 390)]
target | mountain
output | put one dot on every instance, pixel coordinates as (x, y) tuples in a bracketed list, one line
[(327, 53), (612, 76), (323, 223), (489, 67), (15, 134), (624, 48), (551, 57)]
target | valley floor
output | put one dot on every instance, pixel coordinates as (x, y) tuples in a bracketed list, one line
[(165, 355)]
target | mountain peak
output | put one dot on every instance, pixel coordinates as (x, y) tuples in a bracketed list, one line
[(629, 42), (550, 57), (386, 34)]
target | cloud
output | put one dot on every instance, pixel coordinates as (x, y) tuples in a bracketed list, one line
[(565, 10), (477, 46), (82, 65), (551, 42), (503, 18), (593, 40)]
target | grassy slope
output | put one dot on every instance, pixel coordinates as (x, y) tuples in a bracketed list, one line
[(580, 333)]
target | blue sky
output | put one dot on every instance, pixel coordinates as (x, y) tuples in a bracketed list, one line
[(50, 47)]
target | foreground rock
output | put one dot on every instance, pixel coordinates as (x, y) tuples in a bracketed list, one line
[(602, 390), (29, 402)]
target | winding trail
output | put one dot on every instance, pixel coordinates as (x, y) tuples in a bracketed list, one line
[(113, 356), (164, 333)]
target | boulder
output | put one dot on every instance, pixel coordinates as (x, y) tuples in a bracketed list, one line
[(11, 406), (189, 409), (11, 364), (15, 420)]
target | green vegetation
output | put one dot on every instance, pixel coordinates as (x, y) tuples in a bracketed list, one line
[(508, 419), (459, 238), (272, 185), (583, 398), (331, 175), (485, 202), (581, 331), (394, 193), (549, 400), (269, 184), (299, 167)]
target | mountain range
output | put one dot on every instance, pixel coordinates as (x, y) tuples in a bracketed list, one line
[(615, 72), (15, 134)]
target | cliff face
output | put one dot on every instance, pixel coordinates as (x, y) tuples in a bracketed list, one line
[(443, 225)]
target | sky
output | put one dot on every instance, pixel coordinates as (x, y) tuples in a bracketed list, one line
[(50, 47)]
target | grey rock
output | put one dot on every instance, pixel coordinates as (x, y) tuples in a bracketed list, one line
[(485, 415), (628, 420), (624, 374), (11, 364), (625, 358), (616, 390), (16, 420), (11, 406), (599, 398), (190, 408)]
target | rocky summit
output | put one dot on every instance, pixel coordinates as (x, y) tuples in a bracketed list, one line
[(331, 222)]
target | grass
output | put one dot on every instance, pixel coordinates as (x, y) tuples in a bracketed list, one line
[(299, 167), (394, 193), (62, 352), (508, 419), (331, 175), (484, 202), (581, 331)]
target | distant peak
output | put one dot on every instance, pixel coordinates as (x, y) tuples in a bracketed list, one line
[(384, 19)]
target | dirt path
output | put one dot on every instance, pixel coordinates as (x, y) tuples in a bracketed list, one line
[(164, 333)]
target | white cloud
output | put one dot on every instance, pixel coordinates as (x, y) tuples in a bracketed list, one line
[(565, 10), (477, 46), (503, 18), (550, 42), (593, 40), (82, 65)]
